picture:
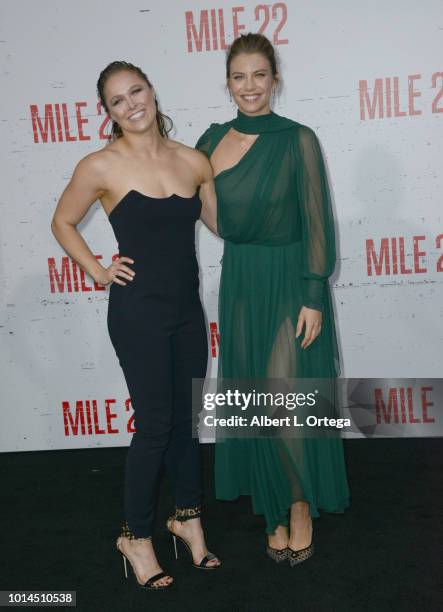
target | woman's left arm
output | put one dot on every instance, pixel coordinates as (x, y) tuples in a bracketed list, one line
[(317, 233), (207, 194)]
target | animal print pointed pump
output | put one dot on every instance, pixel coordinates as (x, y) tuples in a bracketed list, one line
[(276, 554), (298, 556)]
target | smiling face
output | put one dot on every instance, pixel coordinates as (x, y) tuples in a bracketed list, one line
[(251, 83), (130, 101)]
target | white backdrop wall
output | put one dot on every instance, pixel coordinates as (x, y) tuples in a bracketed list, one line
[(367, 77)]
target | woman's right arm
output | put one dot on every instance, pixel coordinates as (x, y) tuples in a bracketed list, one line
[(85, 187)]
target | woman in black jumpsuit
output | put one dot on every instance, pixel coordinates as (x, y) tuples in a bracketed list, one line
[(157, 327), (155, 320)]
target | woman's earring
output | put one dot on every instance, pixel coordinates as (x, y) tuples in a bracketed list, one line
[(273, 96), (230, 97)]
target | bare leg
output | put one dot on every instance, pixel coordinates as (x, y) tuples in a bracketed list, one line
[(279, 539), (301, 526)]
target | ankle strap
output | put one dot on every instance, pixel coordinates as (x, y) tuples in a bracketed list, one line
[(127, 533), (185, 514)]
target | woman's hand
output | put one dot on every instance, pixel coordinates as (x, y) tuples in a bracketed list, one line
[(115, 272), (311, 319)]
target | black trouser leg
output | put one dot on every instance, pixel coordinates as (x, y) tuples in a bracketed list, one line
[(182, 458), (148, 372)]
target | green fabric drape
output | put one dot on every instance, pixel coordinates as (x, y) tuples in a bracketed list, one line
[(275, 215)]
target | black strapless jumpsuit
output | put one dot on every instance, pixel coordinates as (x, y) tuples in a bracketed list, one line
[(157, 328)]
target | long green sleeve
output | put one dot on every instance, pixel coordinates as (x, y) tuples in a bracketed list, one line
[(316, 216)]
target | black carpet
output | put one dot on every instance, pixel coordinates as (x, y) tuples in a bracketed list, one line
[(61, 513)]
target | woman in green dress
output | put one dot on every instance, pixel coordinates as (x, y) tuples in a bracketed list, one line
[(275, 313)]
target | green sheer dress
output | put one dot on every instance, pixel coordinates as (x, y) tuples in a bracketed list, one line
[(275, 216)]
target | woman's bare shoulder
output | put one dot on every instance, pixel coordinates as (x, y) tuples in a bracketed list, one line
[(191, 155), (100, 159), (98, 164), (196, 160)]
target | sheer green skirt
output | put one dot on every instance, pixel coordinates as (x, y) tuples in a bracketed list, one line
[(260, 297)]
